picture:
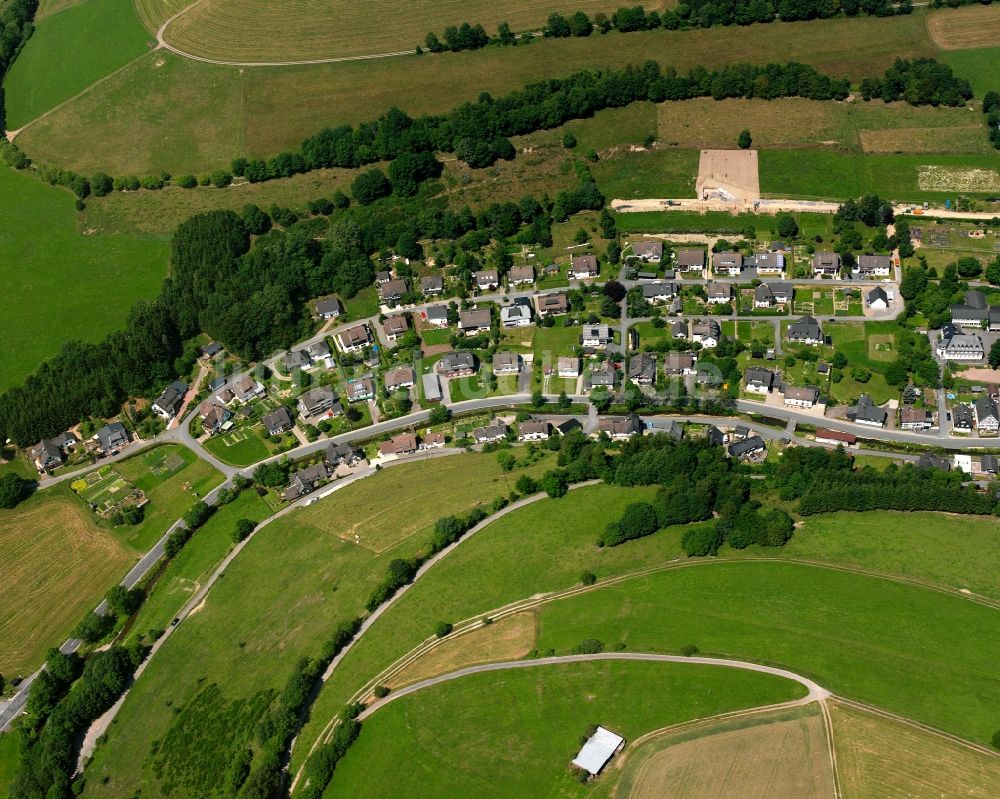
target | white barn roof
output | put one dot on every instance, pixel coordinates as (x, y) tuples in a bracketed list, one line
[(598, 750)]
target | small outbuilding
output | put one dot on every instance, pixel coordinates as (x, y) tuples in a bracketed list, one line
[(599, 749)]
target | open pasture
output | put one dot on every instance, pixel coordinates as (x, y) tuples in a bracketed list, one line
[(931, 664), (259, 31), (69, 50), (965, 28), (170, 113), (84, 284), (520, 729), (56, 563)]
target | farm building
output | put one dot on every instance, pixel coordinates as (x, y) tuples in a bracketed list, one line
[(599, 749)]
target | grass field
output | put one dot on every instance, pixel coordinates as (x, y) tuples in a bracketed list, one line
[(535, 718), (881, 757), (68, 52), (256, 30), (241, 448), (89, 282), (164, 112), (278, 601), (9, 757), (56, 565), (931, 664), (972, 26), (783, 757), (185, 574), (977, 65), (655, 173)]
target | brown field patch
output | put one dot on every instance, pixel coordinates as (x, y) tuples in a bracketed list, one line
[(508, 639), (729, 174), (879, 758), (780, 760), (967, 138), (965, 28), (55, 563)]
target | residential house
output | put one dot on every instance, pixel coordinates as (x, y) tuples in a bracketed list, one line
[(506, 363), (727, 263), (877, 299), (767, 295), (354, 339), (659, 292), (751, 448), (296, 359), (719, 293), (437, 315), (432, 441), (911, 418), (402, 444), (679, 329), (521, 276), (392, 291), (305, 481), (777, 246), (245, 389), (567, 366), (961, 347), (400, 377), (866, 412), (475, 321), (583, 267), (395, 327), (383, 276), (432, 387), (432, 285), (715, 436), (975, 312), (457, 364), (805, 331), (550, 270), (690, 260), (678, 363), (490, 434), (667, 427), (49, 453), (804, 397), (596, 336), (516, 315), (568, 426), (486, 279), (989, 464), (707, 333), (835, 438), (329, 308), (170, 400), (213, 416), (552, 304), (533, 430), (278, 421), (873, 266), (987, 416), (962, 417), (603, 374), (826, 264), (361, 390), (211, 349), (648, 251), (759, 380), (112, 438), (769, 263), (621, 428), (319, 400), (928, 461), (642, 369)]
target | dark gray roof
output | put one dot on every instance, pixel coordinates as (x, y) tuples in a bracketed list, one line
[(962, 416), (746, 446), (330, 306), (877, 293), (112, 435), (986, 408), (277, 420), (806, 328), (866, 410), (454, 361), (757, 374)]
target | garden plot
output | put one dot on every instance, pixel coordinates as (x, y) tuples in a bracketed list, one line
[(107, 492), (958, 179)]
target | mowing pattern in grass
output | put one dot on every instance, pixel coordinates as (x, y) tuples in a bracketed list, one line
[(258, 30), (56, 564), (520, 729), (187, 116), (84, 285), (972, 26), (69, 51), (880, 757), (933, 662)]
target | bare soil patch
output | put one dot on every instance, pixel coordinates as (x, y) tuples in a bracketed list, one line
[(965, 28), (728, 175), (780, 760), (507, 639)]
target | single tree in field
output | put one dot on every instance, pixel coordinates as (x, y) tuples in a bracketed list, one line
[(744, 141)]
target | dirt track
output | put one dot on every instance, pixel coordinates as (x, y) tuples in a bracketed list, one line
[(728, 175)]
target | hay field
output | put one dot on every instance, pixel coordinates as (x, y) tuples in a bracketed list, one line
[(785, 759), (261, 30), (56, 563), (154, 13), (966, 28), (879, 758), (166, 112)]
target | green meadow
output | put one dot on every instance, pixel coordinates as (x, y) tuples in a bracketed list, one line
[(68, 51), (65, 285)]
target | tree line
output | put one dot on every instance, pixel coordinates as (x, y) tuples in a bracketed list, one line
[(991, 109), (922, 81)]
